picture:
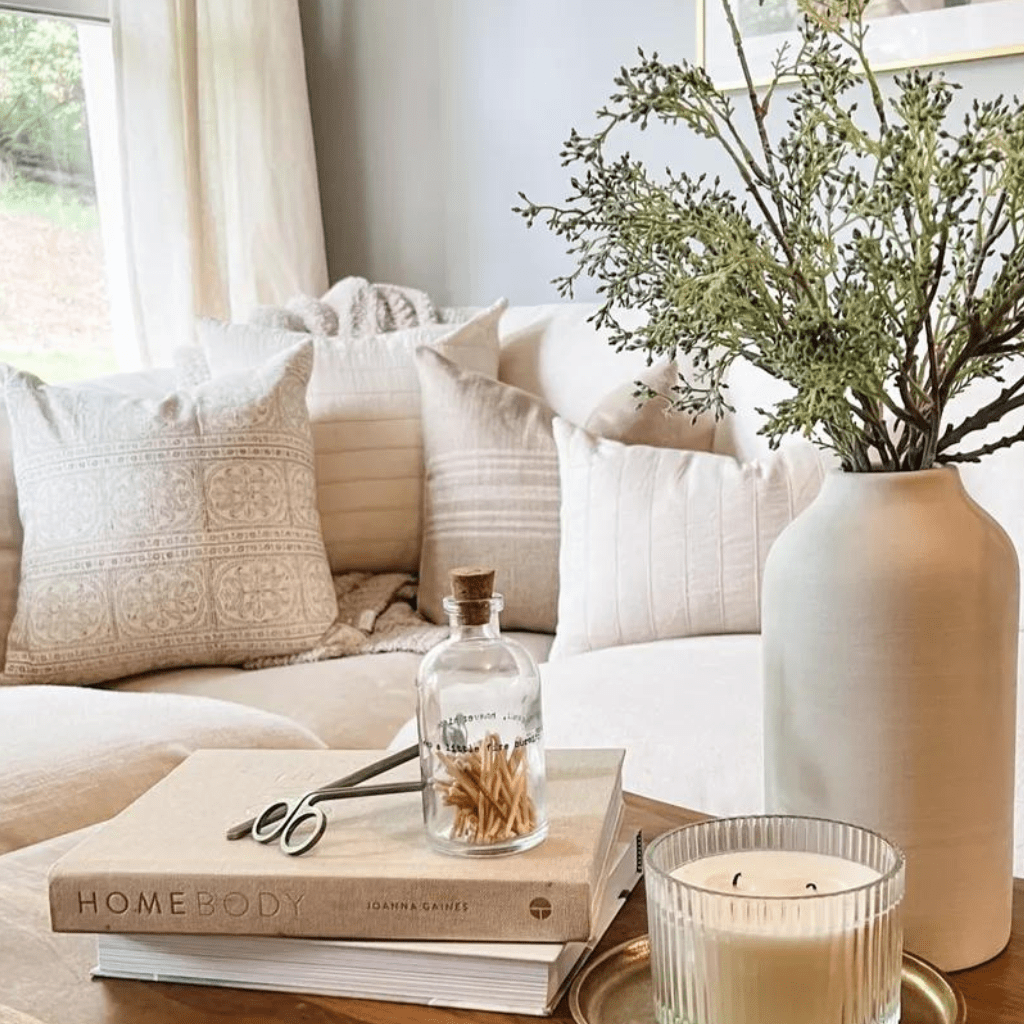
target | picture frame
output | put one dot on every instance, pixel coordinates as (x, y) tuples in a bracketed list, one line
[(902, 34)]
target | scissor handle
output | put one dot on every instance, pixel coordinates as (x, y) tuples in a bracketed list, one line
[(272, 820), (302, 815), (280, 819)]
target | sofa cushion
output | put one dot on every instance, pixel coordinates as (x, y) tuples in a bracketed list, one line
[(688, 713), (75, 756), (659, 543), (182, 531), (364, 407), (350, 703)]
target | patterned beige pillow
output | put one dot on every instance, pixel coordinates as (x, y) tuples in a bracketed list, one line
[(181, 531)]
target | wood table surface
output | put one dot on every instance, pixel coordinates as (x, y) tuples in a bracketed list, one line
[(46, 975)]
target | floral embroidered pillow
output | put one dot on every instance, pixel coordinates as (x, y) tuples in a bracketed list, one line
[(163, 533)]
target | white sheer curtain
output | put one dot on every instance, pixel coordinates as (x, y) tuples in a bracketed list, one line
[(222, 206)]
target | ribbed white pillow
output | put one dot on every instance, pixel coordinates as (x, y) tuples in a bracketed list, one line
[(364, 407), (657, 542)]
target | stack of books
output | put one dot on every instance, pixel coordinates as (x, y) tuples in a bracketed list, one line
[(371, 912)]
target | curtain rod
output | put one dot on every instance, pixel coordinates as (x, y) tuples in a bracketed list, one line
[(78, 10)]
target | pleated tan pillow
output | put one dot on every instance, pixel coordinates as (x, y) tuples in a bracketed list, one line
[(659, 543), (364, 407), (166, 532)]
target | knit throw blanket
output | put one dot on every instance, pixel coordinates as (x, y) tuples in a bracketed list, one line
[(353, 308), (376, 612)]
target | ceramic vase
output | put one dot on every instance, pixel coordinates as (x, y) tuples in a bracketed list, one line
[(889, 624)]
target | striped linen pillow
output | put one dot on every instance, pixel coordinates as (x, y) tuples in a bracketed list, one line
[(490, 493)]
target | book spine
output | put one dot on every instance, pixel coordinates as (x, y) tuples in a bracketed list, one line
[(326, 907)]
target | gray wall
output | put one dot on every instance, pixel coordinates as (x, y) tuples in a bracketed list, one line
[(431, 115)]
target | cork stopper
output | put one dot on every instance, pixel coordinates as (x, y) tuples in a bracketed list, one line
[(472, 587)]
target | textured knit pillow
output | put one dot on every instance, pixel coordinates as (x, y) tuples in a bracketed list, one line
[(364, 407), (659, 543), (491, 494), (181, 531)]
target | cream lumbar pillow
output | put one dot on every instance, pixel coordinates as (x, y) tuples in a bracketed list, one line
[(364, 407), (659, 543), (491, 494), (160, 533), (625, 416)]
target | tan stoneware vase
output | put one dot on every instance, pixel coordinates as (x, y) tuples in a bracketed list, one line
[(890, 623)]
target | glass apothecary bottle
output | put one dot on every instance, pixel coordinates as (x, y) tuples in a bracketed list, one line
[(481, 732)]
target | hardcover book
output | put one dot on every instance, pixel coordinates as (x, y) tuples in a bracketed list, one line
[(507, 977), (164, 864)]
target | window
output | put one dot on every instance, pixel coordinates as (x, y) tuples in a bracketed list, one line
[(61, 254)]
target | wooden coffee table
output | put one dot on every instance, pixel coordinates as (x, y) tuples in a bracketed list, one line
[(47, 976)]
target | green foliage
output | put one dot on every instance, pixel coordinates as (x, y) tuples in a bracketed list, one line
[(63, 206), (55, 366), (874, 259), (42, 101)]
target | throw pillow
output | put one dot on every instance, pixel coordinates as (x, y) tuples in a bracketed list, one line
[(622, 416), (165, 532), (557, 351), (364, 407), (659, 543), (154, 382), (491, 493)]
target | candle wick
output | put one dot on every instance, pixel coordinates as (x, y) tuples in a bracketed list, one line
[(811, 885), (736, 878)]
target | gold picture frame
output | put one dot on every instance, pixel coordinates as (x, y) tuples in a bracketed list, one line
[(903, 34)]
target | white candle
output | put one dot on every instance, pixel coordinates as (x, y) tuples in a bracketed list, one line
[(791, 960), (775, 873)]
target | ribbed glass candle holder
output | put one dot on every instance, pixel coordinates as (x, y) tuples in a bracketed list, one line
[(775, 920)]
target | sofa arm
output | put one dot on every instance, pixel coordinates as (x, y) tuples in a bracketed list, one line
[(71, 756)]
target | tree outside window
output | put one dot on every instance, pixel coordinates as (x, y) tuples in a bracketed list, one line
[(54, 309)]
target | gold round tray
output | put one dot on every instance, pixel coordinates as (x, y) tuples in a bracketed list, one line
[(616, 989)]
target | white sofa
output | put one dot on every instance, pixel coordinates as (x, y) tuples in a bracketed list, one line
[(688, 711)]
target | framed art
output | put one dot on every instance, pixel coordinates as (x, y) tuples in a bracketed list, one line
[(902, 33)]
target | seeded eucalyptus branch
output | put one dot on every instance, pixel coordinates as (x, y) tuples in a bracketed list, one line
[(873, 259)]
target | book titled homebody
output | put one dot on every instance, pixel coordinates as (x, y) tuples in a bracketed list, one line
[(507, 977), (164, 865)]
